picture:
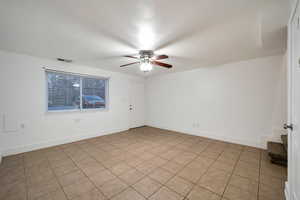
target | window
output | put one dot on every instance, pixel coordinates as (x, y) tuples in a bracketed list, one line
[(75, 92)]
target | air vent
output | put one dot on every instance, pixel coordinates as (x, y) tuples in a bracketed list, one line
[(64, 60)]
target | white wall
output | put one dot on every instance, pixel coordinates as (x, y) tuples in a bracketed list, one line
[(238, 102), (23, 103), (279, 115), (292, 4)]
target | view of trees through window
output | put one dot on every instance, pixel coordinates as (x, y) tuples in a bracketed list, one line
[(70, 92)]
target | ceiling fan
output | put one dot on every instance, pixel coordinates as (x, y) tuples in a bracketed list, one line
[(147, 59)]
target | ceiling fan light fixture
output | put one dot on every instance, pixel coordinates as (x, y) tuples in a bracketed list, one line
[(147, 59), (146, 67)]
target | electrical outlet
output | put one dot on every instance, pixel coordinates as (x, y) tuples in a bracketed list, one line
[(22, 126)]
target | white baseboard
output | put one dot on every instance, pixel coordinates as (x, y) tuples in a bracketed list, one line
[(58, 141), (54, 142), (289, 195), (215, 136), (287, 191)]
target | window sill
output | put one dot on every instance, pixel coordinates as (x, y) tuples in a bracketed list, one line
[(77, 110)]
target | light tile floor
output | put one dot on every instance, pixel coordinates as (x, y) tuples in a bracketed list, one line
[(143, 163)]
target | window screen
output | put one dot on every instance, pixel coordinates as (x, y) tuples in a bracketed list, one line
[(75, 92)]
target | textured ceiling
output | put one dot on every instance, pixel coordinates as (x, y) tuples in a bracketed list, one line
[(194, 33)]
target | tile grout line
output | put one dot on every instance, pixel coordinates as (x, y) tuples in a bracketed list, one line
[(62, 149), (258, 189), (147, 175), (231, 174), (88, 176), (26, 185), (198, 155), (147, 141), (164, 185), (220, 169), (56, 177), (196, 185), (117, 176)]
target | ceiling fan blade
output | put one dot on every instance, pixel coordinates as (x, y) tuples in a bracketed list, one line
[(160, 57), (129, 64), (134, 57), (161, 64)]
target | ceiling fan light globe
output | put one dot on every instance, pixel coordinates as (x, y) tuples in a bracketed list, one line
[(146, 67)]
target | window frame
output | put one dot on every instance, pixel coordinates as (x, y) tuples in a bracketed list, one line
[(81, 76)]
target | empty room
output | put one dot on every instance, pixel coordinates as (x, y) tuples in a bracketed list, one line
[(150, 100)]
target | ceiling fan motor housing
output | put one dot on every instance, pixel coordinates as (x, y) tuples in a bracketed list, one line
[(146, 53), (145, 56)]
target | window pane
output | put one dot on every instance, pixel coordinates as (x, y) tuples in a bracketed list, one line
[(63, 91), (93, 93)]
